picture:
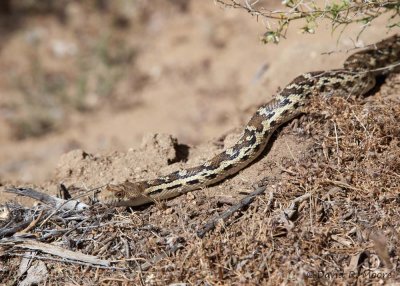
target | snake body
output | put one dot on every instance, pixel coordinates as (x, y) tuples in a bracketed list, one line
[(356, 78)]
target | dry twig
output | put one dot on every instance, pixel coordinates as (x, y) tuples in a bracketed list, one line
[(54, 202), (233, 209), (54, 250)]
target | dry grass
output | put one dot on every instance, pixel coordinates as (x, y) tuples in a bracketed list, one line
[(344, 231)]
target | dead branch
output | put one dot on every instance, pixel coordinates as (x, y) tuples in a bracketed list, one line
[(54, 250), (52, 201), (11, 230), (246, 201)]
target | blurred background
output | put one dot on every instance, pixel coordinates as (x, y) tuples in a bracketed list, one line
[(98, 75)]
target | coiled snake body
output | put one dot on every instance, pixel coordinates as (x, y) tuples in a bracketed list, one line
[(356, 78)]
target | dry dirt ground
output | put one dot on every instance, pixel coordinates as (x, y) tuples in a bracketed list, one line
[(98, 93)]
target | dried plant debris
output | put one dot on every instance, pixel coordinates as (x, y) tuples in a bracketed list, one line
[(332, 217)]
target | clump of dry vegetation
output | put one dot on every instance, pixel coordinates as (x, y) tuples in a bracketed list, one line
[(330, 218)]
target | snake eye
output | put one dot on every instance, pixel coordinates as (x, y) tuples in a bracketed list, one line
[(119, 195)]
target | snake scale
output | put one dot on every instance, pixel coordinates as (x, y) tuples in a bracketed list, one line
[(357, 77)]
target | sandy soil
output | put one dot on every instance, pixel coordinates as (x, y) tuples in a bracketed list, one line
[(90, 98), (196, 74)]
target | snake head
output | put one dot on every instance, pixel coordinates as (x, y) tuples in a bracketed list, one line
[(125, 194), (112, 195)]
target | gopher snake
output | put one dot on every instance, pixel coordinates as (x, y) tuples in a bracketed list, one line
[(356, 78)]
